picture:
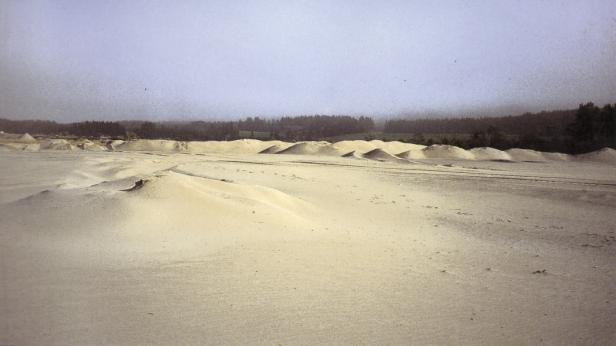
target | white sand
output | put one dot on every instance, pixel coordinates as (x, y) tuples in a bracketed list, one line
[(27, 138), (526, 155), (486, 153), (605, 155), (349, 149), (303, 249), (438, 151), (382, 155), (312, 148)]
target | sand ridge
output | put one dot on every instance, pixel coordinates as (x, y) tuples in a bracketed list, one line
[(141, 247), (393, 151)]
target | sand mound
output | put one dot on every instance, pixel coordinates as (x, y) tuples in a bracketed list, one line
[(12, 146), (160, 145), (557, 156), (112, 145), (32, 147), (412, 155), (353, 155), (374, 150), (57, 144), (172, 252), (382, 155), (26, 138), (490, 154), (366, 146), (273, 149), (438, 151), (16, 138), (91, 146), (605, 155), (217, 193), (311, 148), (350, 146), (240, 146), (396, 146), (527, 155)]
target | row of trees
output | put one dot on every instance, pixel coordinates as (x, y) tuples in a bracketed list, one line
[(571, 131), (191, 131), (593, 128), (310, 127), (543, 123), (96, 129), (80, 129), (44, 127)]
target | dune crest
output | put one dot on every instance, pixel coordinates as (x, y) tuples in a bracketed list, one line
[(382, 155), (490, 154), (439, 151), (311, 148), (525, 155), (605, 155), (393, 151)]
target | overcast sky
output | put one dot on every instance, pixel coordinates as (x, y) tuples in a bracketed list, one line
[(75, 60)]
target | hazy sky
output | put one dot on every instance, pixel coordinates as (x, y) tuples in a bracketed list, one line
[(72, 60)]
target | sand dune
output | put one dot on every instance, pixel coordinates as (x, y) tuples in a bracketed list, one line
[(91, 146), (382, 155), (273, 149), (12, 146), (132, 248), (352, 154), (412, 155), (351, 148), (17, 138), (438, 151), (312, 148), (112, 145), (359, 146), (151, 145), (526, 155), (27, 138), (240, 146), (605, 155), (556, 156), (57, 144), (486, 153)]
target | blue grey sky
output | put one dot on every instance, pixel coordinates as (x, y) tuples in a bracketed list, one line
[(77, 60)]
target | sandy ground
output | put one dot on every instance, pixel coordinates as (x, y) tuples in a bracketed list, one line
[(304, 249)]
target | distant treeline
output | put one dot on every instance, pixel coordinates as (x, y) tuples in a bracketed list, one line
[(543, 124), (573, 131), (80, 129), (309, 127)]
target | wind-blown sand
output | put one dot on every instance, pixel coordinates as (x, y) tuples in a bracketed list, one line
[(169, 247)]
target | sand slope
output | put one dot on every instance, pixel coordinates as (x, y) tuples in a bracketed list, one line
[(312, 148), (134, 248), (486, 153), (382, 155), (403, 151), (526, 155), (605, 155), (438, 151)]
